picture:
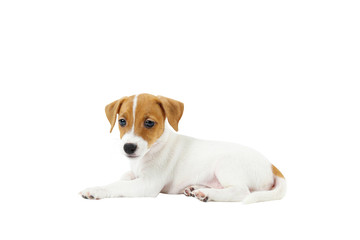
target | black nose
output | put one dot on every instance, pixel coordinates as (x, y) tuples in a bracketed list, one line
[(130, 148)]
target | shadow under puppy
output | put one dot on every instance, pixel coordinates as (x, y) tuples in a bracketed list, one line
[(165, 162)]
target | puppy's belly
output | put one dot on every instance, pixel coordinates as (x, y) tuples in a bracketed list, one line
[(176, 188), (213, 183)]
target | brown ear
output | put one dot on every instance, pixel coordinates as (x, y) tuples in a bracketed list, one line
[(112, 110), (173, 110)]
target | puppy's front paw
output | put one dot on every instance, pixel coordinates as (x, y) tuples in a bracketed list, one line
[(94, 193)]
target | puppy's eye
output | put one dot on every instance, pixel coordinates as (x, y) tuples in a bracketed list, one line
[(122, 122), (149, 123)]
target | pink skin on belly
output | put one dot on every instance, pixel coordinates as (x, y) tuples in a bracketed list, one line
[(214, 183), (178, 189)]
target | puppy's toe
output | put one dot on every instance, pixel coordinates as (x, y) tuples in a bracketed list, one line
[(201, 196), (94, 193), (188, 191)]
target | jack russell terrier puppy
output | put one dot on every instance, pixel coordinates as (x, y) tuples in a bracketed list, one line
[(165, 162)]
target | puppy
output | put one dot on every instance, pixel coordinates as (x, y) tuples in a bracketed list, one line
[(165, 162)]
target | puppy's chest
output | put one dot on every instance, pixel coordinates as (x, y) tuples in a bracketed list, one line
[(136, 167), (143, 167)]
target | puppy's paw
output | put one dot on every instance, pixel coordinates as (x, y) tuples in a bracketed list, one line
[(188, 191), (94, 193), (200, 195)]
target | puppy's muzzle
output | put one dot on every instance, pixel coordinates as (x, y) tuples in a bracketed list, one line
[(130, 148)]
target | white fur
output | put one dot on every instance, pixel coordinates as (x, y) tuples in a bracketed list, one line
[(261, 196), (227, 171), (134, 111)]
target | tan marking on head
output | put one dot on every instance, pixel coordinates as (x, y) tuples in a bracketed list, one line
[(112, 110), (122, 108), (276, 172), (126, 112), (148, 107), (173, 110)]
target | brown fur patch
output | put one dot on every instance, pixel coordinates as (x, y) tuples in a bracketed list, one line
[(112, 110), (148, 107), (173, 110), (276, 172), (126, 112)]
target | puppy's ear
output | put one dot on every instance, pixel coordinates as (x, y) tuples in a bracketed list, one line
[(173, 110), (112, 110)]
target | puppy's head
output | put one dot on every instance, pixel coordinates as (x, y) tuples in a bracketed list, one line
[(141, 120)]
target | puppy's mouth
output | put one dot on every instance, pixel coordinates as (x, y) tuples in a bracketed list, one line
[(131, 156)]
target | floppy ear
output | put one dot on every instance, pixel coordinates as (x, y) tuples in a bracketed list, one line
[(112, 110), (173, 110)]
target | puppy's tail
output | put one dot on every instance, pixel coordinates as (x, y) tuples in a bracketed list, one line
[(278, 191)]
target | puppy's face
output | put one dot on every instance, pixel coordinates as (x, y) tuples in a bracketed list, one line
[(141, 120)]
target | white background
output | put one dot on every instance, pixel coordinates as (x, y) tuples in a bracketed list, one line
[(279, 76)]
